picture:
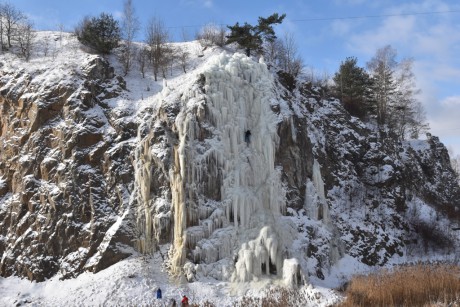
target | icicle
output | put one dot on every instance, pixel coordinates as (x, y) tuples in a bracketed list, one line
[(318, 181)]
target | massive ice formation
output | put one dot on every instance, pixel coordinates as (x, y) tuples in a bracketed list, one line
[(227, 198)]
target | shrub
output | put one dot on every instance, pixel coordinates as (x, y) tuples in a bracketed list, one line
[(99, 33), (415, 285), (211, 35)]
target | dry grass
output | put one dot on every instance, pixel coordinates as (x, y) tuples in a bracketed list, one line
[(279, 297), (415, 285)]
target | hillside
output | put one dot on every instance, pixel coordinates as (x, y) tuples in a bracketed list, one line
[(226, 176)]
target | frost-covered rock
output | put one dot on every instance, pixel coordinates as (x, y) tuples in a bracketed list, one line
[(64, 184), (242, 174)]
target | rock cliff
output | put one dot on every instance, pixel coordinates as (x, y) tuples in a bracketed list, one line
[(236, 174)]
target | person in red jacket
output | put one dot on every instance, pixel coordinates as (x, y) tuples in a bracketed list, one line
[(184, 301)]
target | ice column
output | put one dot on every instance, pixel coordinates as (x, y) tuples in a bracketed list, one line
[(178, 177), (315, 198), (238, 93), (145, 243)]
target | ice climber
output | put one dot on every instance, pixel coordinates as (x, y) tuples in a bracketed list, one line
[(247, 137), (158, 293)]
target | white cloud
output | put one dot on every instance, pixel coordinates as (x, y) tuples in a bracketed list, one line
[(349, 2), (203, 3), (117, 14), (341, 27), (393, 31), (452, 101), (433, 40), (208, 3)]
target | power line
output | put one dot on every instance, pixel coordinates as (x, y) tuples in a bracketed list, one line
[(376, 16), (341, 18)]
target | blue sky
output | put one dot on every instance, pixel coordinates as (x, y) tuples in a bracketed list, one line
[(324, 33)]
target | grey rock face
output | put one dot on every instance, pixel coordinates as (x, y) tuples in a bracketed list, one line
[(64, 175), (70, 196)]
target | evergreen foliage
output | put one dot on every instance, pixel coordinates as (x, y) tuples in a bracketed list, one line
[(386, 92), (99, 33), (352, 87), (252, 37)]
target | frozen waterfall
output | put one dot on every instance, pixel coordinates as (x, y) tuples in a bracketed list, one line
[(227, 203), (244, 224)]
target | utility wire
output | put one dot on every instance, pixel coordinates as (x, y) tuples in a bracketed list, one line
[(343, 18), (376, 16)]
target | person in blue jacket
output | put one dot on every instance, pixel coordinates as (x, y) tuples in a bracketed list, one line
[(158, 293)]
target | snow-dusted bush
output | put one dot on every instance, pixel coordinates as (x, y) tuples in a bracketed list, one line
[(99, 33)]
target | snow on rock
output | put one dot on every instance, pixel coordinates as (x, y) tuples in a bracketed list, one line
[(59, 182), (232, 178)]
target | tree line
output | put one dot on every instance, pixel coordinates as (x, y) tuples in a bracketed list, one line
[(16, 31), (104, 33), (383, 92)]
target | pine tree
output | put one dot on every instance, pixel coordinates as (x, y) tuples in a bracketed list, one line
[(100, 33), (352, 87), (252, 37)]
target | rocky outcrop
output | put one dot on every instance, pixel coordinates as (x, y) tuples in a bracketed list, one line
[(371, 180), (65, 174), (83, 184)]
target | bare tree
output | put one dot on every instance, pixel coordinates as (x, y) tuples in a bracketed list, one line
[(184, 57), (142, 58), (382, 67), (61, 30), (185, 35), (289, 58), (25, 39), (157, 38), (169, 57), (405, 104), (2, 17), (129, 28), (394, 94), (455, 163), (418, 124), (272, 50), (11, 19), (211, 34), (46, 45)]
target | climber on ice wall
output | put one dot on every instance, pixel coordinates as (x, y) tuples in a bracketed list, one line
[(247, 137)]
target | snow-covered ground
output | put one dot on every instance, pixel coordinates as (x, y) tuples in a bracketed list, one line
[(134, 282)]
